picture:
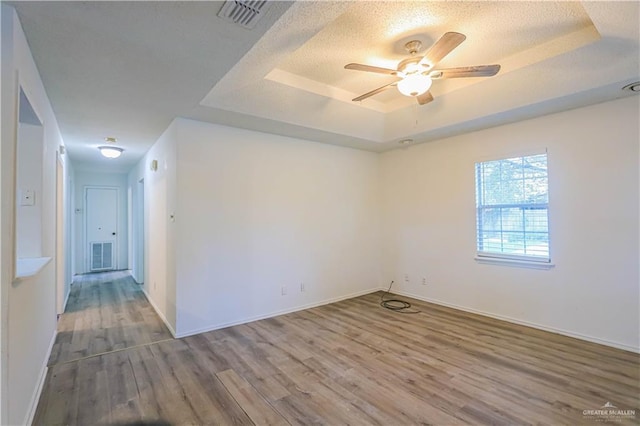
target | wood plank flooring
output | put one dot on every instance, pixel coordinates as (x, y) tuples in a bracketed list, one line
[(350, 362), (105, 312)]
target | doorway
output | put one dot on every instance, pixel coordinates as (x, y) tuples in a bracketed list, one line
[(138, 235), (60, 246), (101, 228)]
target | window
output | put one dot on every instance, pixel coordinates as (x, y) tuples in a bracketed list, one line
[(512, 201)]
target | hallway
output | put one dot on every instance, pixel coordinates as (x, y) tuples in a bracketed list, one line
[(106, 312)]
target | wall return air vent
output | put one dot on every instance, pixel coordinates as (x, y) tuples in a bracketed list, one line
[(245, 13)]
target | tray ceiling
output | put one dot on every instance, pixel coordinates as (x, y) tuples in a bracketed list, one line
[(126, 69)]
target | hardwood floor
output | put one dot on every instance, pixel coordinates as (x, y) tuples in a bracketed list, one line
[(105, 312), (351, 362)]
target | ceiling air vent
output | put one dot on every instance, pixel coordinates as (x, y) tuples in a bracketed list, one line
[(245, 13)]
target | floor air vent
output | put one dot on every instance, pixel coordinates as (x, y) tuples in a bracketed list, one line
[(101, 256), (245, 13)]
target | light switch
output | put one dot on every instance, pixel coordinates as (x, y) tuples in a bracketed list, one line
[(27, 197)]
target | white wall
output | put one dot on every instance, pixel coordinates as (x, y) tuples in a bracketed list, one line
[(27, 307), (84, 179), (256, 212), (136, 227), (29, 177), (159, 248), (253, 212), (593, 291)]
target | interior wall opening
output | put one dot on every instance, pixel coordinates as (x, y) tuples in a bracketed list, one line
[(28, 191)]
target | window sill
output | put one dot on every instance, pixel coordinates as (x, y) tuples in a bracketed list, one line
[(30, 266), (516, 263)]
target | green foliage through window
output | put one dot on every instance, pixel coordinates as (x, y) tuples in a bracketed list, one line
[(512, 200)]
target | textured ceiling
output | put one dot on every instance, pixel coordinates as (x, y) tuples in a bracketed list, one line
[(548, 50), (126, 69), (375, 34)]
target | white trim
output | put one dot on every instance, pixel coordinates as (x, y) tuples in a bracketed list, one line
[(35, 398), (505, 259), (555, 330), (159, 312), (508, 154), (275, 313), (518, 263)]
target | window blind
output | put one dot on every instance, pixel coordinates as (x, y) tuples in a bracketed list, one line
[(512, 201)]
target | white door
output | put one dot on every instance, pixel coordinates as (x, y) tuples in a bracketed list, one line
[(102, 232)]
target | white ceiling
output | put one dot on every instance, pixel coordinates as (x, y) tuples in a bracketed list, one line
[(126, 69)]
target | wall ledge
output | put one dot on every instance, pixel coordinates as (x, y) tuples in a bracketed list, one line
[(513, 262), (30, 266)]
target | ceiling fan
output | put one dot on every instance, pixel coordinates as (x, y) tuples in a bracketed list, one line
[(415, 74)]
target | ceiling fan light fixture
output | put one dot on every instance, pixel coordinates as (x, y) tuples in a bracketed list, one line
[(417, 72), (110, 151), (414, 85), (633, 87)]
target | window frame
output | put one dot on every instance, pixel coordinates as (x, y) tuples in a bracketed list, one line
[(498, 258)]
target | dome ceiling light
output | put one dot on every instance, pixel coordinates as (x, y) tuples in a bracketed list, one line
[(110, 151)]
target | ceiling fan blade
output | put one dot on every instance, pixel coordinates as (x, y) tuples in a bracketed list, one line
[(374, 92), (442, 48), (370, 68), (475, 71), (425, 98)]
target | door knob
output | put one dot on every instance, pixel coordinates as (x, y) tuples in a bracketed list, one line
[(113, 233)]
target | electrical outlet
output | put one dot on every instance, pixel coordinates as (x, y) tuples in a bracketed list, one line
[(284, 290), (424, 280), (406, 278), (302, 287)]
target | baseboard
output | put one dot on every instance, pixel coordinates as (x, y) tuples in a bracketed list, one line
[(521, 322), (160, 314), (100, 272), (35, 398), (275, 313), (134, 277)]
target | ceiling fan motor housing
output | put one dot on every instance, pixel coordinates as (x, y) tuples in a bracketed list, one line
[(413, 46)]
